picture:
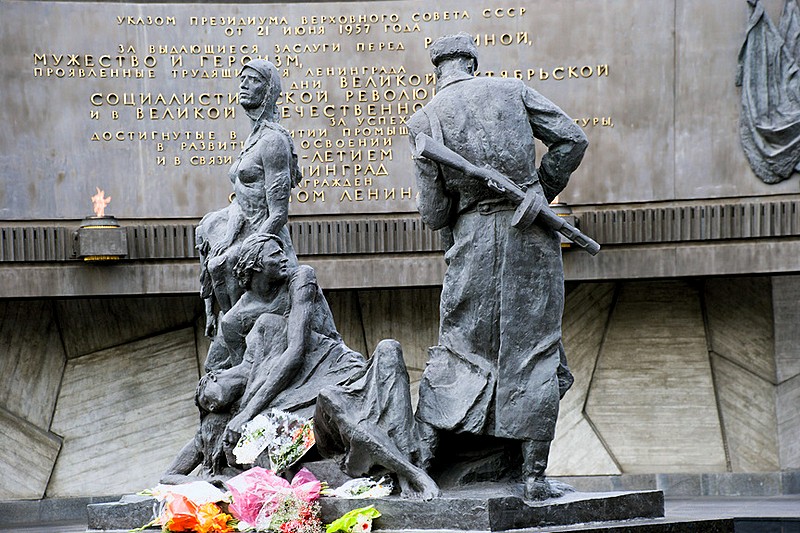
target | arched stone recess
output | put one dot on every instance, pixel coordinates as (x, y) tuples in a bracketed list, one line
[(789, 423), (31, 365), (577, 450), (124, 413), (652, 397), (786, 309), (27, 456), (742, 342)]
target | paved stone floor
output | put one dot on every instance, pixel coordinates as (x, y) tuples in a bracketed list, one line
[(676, 510), (739, 507)]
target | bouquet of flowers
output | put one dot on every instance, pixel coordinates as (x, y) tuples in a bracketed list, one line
[(256, 436), (192, 507), (258, 500), (284, 436), (182, 514), (292, 515), (264, 501)]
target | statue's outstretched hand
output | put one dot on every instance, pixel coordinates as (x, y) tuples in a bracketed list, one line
[(229, 440), (233, 431)]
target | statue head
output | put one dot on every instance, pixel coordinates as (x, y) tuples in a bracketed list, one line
[(261, 253), (460, 46), (259, 86), (214, 392)]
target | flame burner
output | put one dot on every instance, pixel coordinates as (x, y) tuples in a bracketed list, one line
[(100, 239)]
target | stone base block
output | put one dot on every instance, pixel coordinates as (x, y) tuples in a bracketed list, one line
[(130, 512), (490, 507)]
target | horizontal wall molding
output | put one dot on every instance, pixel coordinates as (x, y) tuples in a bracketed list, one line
[(176, 240), (750, 220), (408, 234)]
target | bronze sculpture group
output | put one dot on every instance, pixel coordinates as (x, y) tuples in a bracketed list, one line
[(494, 379)]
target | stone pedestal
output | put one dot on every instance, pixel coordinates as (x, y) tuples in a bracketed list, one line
[(489, 507)]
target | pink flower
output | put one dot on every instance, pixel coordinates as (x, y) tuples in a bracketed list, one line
[(305, 486), (257, 487)]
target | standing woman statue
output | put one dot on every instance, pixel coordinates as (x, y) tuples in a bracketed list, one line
[(262, 177)]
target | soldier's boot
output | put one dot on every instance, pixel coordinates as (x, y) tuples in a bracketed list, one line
[(537, 487)]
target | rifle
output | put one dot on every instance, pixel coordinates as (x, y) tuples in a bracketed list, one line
[(531, 206)]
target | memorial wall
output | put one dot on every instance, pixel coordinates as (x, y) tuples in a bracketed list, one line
[(140, 100), (692, 305)]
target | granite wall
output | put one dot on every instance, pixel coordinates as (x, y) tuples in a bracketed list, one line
[(147, 106), (678, 376)]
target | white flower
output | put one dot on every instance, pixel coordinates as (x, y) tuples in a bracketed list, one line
[(272, 430), (199, 492), (364, 487), (256, 436), (363, 524)]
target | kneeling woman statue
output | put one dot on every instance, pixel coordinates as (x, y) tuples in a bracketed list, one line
[(293, 355)]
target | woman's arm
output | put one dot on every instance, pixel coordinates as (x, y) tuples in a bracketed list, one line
[(232, 228), (273, 375), (276, 158)]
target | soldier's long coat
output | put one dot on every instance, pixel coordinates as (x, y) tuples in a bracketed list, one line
[(494, 371)]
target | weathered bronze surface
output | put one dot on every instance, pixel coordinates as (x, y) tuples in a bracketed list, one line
[(499, 369), (770, 117)]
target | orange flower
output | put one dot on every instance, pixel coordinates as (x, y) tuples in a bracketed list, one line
[(210, 519), (180, 513)]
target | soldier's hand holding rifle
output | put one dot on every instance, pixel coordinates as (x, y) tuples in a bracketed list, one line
[(531, 205)]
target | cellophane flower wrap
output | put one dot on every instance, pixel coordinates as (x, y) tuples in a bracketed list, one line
[(355, 521), (199, 492), (285, 437), (197, 507), (259, 492), (293, 439), (362, 487), (256, 436)]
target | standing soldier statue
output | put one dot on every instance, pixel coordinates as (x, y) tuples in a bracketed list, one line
[(499, 369)]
